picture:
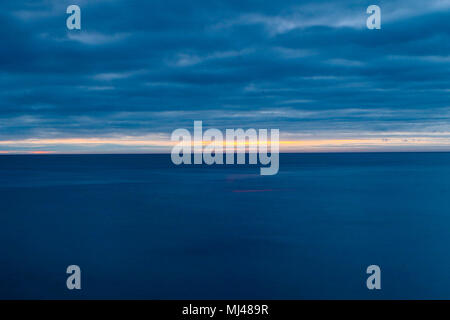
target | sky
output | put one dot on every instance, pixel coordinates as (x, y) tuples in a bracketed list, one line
[(138, 70)]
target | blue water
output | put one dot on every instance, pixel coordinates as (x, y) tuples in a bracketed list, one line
[(140, 227)]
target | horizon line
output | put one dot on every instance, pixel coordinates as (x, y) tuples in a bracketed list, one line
[(50, 153)]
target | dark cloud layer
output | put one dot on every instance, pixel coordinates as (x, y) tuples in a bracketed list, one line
[(140, 67)]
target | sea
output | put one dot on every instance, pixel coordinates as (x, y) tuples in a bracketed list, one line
[(140, 227)]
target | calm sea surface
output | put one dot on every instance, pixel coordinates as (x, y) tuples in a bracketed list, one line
[(140, 227)]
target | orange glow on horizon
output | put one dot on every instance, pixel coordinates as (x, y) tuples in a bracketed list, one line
[(54, 145)]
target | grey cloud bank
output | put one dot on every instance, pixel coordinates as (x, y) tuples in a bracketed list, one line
[(310, 68)]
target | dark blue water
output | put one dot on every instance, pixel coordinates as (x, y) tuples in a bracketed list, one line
[(140, 227)]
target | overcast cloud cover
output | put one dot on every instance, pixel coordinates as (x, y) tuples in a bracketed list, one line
[(137, 70)]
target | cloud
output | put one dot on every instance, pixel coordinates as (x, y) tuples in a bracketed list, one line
[(310, 68), (184, 60), (108, 76), (96, 38)]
